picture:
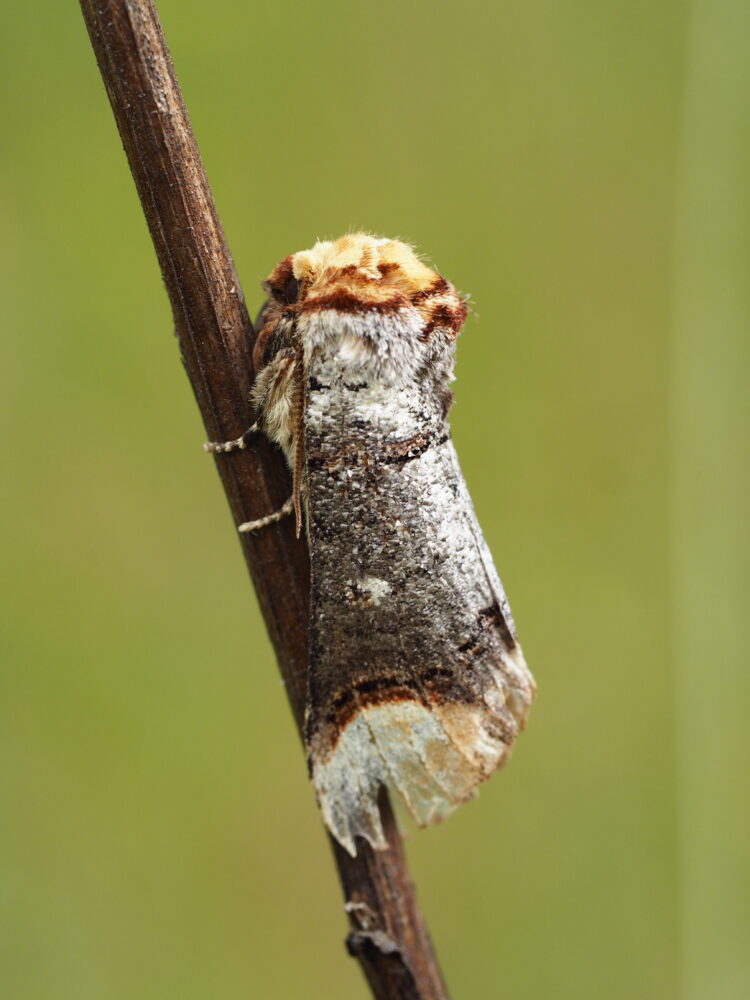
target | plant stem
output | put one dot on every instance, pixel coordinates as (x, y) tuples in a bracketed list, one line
[(388, 935)]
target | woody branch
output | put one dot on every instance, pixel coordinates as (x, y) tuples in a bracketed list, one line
[(388, 935)]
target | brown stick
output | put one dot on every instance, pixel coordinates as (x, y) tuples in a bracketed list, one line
[(388, 934)]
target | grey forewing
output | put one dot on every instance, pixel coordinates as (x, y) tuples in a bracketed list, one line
[(405, 600)]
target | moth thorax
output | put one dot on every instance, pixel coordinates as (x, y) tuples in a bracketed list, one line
[(372, 345)]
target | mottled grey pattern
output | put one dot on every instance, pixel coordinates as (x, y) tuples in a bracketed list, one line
[(406, 603)]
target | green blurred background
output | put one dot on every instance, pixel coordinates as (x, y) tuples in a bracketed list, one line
[(580, 169)]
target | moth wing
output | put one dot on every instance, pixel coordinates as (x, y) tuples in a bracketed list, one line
[(416, 681)]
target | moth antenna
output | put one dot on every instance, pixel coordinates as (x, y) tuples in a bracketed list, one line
[(259, 347), (298, 417)]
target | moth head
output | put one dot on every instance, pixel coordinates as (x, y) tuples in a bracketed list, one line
[(360, 274), (391, 311)]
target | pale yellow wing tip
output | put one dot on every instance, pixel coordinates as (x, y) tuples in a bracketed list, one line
[(433, 758)]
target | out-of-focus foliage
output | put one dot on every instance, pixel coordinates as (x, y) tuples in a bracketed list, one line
[(159, 837)]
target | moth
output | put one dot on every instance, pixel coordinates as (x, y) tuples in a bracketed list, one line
[(416, 678)]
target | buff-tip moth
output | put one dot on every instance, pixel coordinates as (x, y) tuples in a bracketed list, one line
[(416, 678)]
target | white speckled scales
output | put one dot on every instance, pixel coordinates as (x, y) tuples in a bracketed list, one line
[(416, 679)]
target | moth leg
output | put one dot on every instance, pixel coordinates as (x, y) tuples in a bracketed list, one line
[(237, 443), (263, 522)]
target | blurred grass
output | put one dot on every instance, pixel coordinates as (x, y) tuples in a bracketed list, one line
[(710, 490), (160, 838)]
